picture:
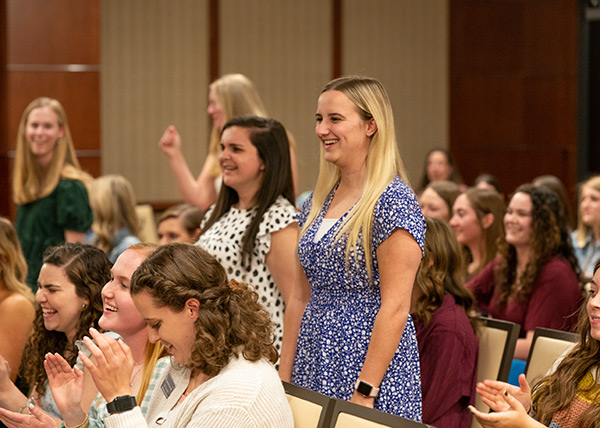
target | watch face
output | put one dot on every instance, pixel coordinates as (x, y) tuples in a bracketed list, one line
[(364, 388)]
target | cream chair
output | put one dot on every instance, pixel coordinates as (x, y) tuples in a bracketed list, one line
[(310, 409), (497, 341), (546, 347), (350, 415)]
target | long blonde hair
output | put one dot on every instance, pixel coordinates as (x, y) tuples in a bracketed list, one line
[(113, 203), (582, 229), (13, 267), (383, 163), (238, 97), (28, 182)]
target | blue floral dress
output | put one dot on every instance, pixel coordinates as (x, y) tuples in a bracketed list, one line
[(338, 320)]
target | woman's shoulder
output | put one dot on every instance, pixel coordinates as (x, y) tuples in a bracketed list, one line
[(17, 304)]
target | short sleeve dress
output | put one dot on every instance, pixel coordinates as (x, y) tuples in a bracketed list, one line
[(224, 241), (338, 320), (42, 223)]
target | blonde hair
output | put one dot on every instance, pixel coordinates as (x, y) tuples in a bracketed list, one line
[(113, 202), (238, 97), (582, 230), (13, 267), (383, 163), (28, 182)]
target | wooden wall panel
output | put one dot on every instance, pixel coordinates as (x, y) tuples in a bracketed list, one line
[(404, 44), (155, 73), (285, 47), (513, 89)]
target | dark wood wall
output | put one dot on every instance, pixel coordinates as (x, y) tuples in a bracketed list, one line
[(49, 48), (513, 89)]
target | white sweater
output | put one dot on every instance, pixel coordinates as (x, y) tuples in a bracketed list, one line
[(243, 394)]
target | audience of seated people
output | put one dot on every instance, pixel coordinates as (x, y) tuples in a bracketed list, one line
[(534, 280), (220, 312)]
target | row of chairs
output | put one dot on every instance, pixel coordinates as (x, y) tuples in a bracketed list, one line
[(497, 341)]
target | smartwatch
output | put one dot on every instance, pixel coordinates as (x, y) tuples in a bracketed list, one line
[(121, 404), (366, 389)]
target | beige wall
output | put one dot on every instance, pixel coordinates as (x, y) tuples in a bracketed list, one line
[(404, 43), (155, 72)]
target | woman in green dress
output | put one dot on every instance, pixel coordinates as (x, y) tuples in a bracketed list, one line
[(49, 186)]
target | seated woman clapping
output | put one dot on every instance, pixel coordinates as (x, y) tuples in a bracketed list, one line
[(568, 397), (218, 334)]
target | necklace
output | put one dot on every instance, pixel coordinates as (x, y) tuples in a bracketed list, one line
[(135, 372)]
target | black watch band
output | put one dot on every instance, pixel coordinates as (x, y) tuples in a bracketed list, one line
[(121, 404)]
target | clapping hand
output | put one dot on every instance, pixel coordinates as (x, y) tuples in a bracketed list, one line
[(492, 393), (36, 418), (111, 367), (66, 385)]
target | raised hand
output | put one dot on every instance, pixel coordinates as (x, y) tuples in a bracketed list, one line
[(515, 415), (170, 142), (112, 365), (36, 418), (492, 393), (66, 385)]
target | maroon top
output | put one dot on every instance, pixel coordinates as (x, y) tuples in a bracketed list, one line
[(448, 350), (553, 303)]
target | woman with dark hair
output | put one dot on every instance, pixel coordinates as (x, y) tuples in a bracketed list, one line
[(179, 223), (252, 229), (221, 342), (448, 347), (567, 397), (439, 165), (69, 287), (534, 280), (230, 96)]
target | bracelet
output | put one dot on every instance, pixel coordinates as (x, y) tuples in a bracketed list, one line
[(84, 424), (29, 401)]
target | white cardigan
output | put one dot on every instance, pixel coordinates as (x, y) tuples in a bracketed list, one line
[(243, 394)]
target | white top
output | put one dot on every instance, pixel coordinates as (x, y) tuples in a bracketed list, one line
[(244, 394), (326, 224)]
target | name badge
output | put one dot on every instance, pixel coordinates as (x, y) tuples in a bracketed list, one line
[(168, 386)]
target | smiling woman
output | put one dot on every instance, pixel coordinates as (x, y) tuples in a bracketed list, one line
[(220, 338), (252, 229), (69, 304), (534, 280), (48, 184)]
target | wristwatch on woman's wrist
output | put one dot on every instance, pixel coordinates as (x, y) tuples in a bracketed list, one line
[(365, 388), (121, 404)]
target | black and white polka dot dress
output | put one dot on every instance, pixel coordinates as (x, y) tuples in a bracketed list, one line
[(224, 241)]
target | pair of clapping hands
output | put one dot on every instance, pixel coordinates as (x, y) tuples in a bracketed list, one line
[(511, 404), (111, 366)]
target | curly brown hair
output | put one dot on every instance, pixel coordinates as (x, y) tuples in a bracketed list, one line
[(557, 390), (549, 237), (88, 269), (230, 321)]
